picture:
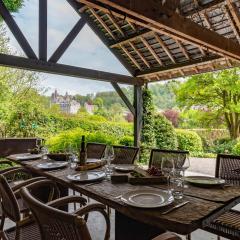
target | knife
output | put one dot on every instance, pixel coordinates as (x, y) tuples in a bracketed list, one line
[(175, 207)]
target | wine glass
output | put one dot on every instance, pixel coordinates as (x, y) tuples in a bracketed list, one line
[(44, 152), (109, 157), (185, 166), (71, 153), (167, 167)]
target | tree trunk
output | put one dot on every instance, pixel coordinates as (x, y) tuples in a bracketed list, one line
[(233, 124)]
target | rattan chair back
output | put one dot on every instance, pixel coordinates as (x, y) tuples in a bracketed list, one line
[(9, 202), (228, 168), (157, 155), (95, 150), (125, 155), (55, 224)]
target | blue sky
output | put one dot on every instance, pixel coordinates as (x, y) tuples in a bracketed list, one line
[(86, 50)]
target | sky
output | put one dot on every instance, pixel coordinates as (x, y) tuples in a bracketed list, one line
[(86, 51)]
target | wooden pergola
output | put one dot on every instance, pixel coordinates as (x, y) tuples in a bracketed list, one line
[(155, 40)]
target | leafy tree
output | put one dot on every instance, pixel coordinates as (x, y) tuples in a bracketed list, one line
[(148, 136), (13, 5), (164, 94), (219, 92)]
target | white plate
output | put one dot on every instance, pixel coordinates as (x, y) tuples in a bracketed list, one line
[(27, 156), (89, 176), (52, 165), (93, 160), (124, 167), (202, 181), (147, 198)]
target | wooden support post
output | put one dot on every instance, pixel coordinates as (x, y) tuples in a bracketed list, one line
[(138, 104), (43, 30)]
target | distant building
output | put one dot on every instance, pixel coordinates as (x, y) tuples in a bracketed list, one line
[(66, 103), (89, 107)]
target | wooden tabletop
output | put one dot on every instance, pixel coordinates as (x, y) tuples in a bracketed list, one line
[(205, 204)]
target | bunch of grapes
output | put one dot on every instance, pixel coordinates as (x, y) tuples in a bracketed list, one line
[(153, 171)]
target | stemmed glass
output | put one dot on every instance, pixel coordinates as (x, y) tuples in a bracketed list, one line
[(185, 166), (109, 157), (70, 150), (167, 167)]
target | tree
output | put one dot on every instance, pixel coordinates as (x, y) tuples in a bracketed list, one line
[(13, 6), (218, 92), (172, 115), (148, 136)]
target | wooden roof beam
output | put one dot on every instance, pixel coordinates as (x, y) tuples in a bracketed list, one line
[(113, 20), (66, 70), (233, 10), (131, 57), (160, 41), (183, 49), (177, 67), (149, 13), (102, 23), (139, 54), (150, 49)]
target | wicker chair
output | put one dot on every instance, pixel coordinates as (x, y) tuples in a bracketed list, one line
[(95, 150), (158, 154), (55, 224), (167, 236), (228, 224), (125, 155), (6, 165), (11, 209)]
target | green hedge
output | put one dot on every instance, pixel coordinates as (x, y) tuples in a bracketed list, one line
[(189, 140), (60, 142), (165, 135)]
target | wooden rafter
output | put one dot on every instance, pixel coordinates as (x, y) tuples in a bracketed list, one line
[(180, 66), (139, 54), (113, 20), (207, 21), (131, 57), (160, 41), (102, 23), (233, 11), (183, 49), (147, 13), (226, 10), (151, 50)]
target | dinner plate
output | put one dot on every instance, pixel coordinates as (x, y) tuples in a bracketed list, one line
[(203, 181), (147, 198), (52, 165), (124, 167), (93, 160), (26, 156), (89, 176)]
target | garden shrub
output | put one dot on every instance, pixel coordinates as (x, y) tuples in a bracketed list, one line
[(189, 140), (60, 142), (236, 148), (165, 135), (224, 145), (127, 141)]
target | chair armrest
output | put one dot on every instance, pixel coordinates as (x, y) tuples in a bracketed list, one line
[(26, 182), (96, 207), (8, 169), (6, 162), (167, 236), (45, 183), (15, 171), (66, 200)]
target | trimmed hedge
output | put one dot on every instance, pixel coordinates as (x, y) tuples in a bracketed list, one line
[(189, 140), (165, 135), (60, 142)]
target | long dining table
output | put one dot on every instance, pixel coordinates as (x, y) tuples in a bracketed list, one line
[(133, 223)]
